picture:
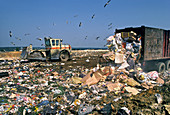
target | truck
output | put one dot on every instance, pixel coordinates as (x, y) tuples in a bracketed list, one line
[(54, 49), (155, 51)]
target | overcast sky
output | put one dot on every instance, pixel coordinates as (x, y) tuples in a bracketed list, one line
[(32, 19)]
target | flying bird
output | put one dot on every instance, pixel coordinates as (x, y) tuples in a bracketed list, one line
[(39, 39), (10, 33), (27, 34), (13, 43), (75, 16), (18, 38), (110, 24), (105, 38), (42, 44), (38, 28), (110, 28), (54, 24), (107, 3), (86, 37), (80, 24), (97, 37), (93, 16)]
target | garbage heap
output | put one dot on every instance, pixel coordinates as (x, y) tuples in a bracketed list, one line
[(119, 88)]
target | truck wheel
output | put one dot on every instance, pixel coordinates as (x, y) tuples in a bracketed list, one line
[(161, 67), (167, 63), (64, 56)]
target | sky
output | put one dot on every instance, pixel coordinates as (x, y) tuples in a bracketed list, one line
[(32, 19)]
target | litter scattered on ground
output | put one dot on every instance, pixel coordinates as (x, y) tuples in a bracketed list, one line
[(84, 85)]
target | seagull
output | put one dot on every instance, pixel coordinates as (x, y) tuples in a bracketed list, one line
[(54, 24), (10, 33), (93, 16), (75, 15), (107, 3), (86, 37), (38, 28), (97, 37), (110, 24), (105, 38), (27, 34), (110, 28), (80, 24), (39, 39), (18, 38), (13, 43)]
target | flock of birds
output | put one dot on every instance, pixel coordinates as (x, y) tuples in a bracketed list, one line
[(80, 24)]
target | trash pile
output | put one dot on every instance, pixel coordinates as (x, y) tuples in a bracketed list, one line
[(120, 88)]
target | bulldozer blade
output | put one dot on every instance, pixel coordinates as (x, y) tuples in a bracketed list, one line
[(24, 53), (36, 56)]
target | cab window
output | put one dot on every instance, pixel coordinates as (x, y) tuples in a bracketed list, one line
[(57, 42), (47, 42), (53, 42)]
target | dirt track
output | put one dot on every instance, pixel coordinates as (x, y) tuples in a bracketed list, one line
[(10, 55)]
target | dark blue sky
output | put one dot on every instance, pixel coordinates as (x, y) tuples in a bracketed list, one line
[(31, 19)]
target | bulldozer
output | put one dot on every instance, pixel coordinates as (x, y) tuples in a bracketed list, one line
[(54, 50)]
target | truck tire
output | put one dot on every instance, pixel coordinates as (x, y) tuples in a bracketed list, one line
[(161, 67), (167, 63), (64, 56)]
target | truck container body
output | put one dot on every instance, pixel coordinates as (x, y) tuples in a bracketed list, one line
[(155, 52)]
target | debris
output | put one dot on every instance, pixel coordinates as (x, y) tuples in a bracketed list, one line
[(114, 86), (132, 90), (159, 98), (124, 111)]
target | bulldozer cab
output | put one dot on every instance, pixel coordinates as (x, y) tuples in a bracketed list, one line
[(51, 43), (53, 47)]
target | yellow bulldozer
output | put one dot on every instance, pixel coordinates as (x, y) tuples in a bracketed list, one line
[(54, 49)]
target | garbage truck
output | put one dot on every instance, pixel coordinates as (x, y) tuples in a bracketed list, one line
[(155, 51), (54, 49)]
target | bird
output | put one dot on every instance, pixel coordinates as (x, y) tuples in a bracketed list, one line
[(10, 33), (27, 34), (18, 38), (97, 37), (75, 16), (93, 16), (39, 39), (110, 24), (80, 24), (13, 43), (105, 38), (38, 28), (54, 24), (110, 28), (86, 37), (42, 44), (107, 3)]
